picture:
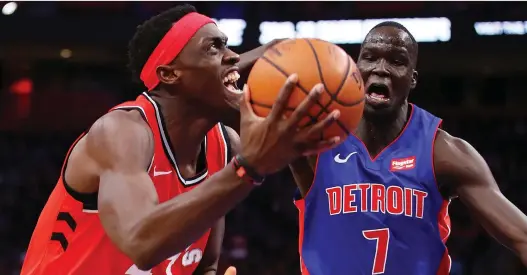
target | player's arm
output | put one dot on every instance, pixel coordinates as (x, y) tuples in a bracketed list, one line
[(209, 263), (303, 170), (146, 231), (460, 167)]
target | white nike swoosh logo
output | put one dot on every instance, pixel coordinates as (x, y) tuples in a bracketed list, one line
[(344, 160), (161, 173)]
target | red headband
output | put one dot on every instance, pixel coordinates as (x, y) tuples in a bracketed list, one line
[(171, 45)]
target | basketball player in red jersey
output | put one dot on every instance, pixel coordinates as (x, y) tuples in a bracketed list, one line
[(387, 62), (144, 191)]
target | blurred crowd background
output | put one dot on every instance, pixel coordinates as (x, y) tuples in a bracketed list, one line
[(62, 65)]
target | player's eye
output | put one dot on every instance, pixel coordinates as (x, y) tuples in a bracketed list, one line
[(367, 57), (399, 61), (218, 44), (213, 47)]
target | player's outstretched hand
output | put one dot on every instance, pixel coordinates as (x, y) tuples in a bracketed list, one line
[(269, 144), (230, 271)]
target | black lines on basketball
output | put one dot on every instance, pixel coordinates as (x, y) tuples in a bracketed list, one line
[(319, 68), (268, 106), (354, 75), (287, 75), (59, 236), (306, 92), (321, 76), (334, 95), (348, 67), (287, 108), (276, 51)]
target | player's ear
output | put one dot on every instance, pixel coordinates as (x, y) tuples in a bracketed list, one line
[(167, 74), (414, 79)]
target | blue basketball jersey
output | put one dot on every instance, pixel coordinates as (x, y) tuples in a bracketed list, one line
[(381, 215)]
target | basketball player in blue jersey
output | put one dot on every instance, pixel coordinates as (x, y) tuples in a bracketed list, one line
[(378, 203)]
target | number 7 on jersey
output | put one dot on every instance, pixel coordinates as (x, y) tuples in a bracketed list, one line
[(382, 237)]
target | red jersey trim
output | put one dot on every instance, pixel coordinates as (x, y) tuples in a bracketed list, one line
[(301, 205), (443, 218), (374, 158)]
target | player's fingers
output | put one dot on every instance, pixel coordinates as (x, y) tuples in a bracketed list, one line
[(283, 97), (319, 127), (303, 109), (245, 103), (322, 146), (231, 271)]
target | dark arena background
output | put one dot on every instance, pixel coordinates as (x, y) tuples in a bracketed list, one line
[(62, 65)]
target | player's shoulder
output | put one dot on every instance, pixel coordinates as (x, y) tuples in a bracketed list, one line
[(119, 132), (119, 124), (454, 156), (449, 145)]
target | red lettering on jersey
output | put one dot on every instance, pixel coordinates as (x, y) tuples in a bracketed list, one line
[(377, 198), (334, 199), (394, 200), (408, 199), (420, 202), (349, 198), (363, 187), (402, 164)]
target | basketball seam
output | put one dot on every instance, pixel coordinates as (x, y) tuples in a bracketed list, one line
[(319, 67), (321, 76), (286, 108), (341, 83), (332, 96), (345, 78), (305, 92)]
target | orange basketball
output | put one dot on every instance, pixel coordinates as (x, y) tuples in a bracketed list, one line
[(315, 61)]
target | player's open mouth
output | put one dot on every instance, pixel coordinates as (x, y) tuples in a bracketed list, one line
[(230, 82), (378, 93)]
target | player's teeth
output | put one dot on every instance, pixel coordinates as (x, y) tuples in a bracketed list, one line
[(231, 77), (233, 89)]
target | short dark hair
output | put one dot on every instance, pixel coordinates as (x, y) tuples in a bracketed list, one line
[(148, 35), (414, 46)]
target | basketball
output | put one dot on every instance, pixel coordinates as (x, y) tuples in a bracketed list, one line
[(315, 61)]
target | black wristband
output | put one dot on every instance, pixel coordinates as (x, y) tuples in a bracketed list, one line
[(240, 161)]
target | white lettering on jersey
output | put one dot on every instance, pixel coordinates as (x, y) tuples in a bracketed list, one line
[(134, 270), (402, 164), (376, 197), (190, 257)]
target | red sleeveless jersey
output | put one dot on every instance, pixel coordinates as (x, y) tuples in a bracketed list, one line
[(69, 238)]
